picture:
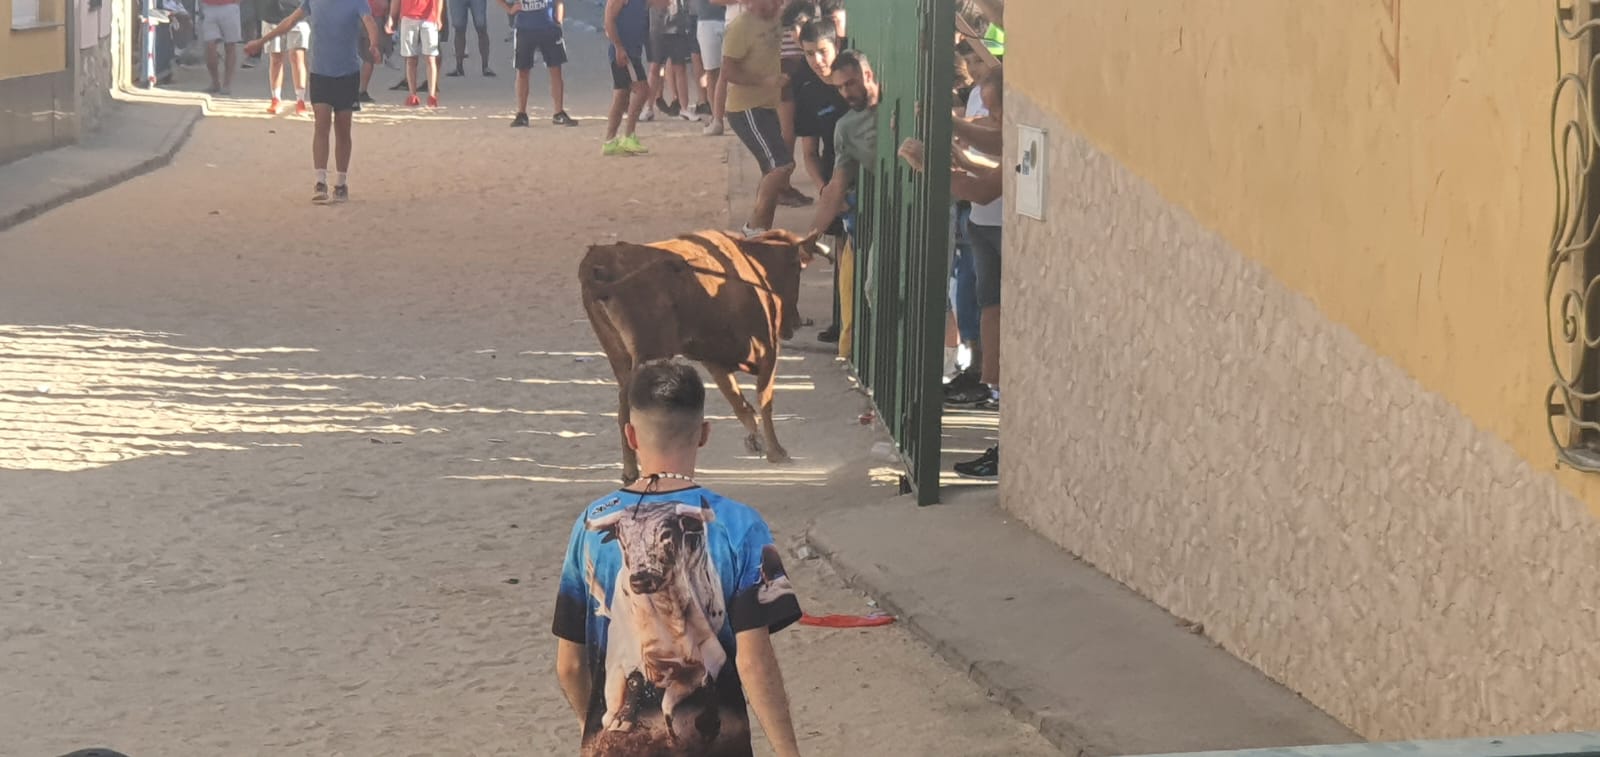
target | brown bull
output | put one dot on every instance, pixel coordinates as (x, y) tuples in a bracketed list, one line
[(720, 300)]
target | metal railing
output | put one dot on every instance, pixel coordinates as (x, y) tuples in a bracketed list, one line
[(902, 267)]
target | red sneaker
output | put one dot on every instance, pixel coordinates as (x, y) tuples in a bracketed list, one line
[(273, 108), (413, 101), (433, 101), (300, 107)]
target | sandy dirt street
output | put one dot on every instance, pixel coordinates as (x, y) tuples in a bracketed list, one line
[(280, 479)]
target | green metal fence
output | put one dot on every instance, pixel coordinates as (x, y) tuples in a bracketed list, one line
[(902, 266)]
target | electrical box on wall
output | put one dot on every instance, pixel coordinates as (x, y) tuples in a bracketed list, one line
[(1030, 171)]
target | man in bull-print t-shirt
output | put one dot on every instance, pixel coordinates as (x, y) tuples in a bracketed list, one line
[(669, 595)]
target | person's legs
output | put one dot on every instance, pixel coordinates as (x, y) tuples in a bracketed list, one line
[(641, 95), (680, 86), (212, 55), (554, 52), (523, 75), (297, 58), (619, 106), (986, 255), (480, 14), (709, 34), (342, 121), (458, 19), (275, 64), (772, 185), (411, 77), (232, 63), (759, 130), (323, 113), (558, 90)]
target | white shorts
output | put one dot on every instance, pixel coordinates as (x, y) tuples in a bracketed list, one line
[(710, 34), (418, 37), (298, 38), (220, 23)]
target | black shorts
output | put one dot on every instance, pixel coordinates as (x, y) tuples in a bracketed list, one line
[(986, 262), (546, 42), (623, 78), (672, 48), (343, 93), (760, 131)]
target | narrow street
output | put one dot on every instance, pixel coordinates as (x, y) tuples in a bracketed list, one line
[(296, 480)]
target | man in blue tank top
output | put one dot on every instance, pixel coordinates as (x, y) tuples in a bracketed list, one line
[(536, 25), (628, 29)]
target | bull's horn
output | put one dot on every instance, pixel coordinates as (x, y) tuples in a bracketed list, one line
[(703, 512), (606, 521)]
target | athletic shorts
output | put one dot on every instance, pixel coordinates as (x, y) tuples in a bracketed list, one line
[(385, 44), (418, 37), (985, 241), (460, 8), (546, 42), (760, 131), (672, 48), (220, 23), (342, 93), (710, 38), (298, 38), (624, 78)]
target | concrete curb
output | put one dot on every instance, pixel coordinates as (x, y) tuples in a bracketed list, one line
[(990, 674), (163, 155)]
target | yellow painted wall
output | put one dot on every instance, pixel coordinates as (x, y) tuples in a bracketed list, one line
[(1390, 159), (38, 51)]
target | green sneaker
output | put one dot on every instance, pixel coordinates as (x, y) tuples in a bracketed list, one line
[(630, 145), (614, 147)]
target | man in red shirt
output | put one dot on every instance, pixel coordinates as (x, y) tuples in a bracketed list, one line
[(418, 21)]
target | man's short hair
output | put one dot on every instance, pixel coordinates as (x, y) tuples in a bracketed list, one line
[(799, 12), (854, 59), (830, 7), (672, 389), (994, 80), (820, 30)]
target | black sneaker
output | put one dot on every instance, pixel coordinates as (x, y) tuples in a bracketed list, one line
[(963, 381), (661, 105), (986, 466), (365, 99), (319, 193), (829, 335), (458, 72), (520, 120), (341, 193), (562, 119), (703, 109), (991, 405), (969, 397), (488, 73)]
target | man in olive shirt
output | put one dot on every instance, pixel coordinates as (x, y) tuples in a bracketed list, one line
[(855, 138), (751, 63)]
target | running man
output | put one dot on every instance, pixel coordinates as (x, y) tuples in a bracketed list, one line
[(751, 63), (419, 36), (335, 80), (286, 51), (536, 26), (628, 29)]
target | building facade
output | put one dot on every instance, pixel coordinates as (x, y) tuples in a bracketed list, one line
[(1278, 352), (55, 72)]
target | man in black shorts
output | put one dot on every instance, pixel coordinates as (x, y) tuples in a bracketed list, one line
[(335, 80), (672, 47), (628, 30), (537, 25)]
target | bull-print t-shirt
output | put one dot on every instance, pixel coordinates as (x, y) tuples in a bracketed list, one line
[(655, 586)]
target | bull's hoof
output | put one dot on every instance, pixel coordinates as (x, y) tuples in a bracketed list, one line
[(753, 443)]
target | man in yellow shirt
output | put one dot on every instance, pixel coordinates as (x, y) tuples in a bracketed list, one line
[(750, 54)]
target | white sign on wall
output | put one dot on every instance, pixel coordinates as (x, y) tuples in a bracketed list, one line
[(1030, 171)]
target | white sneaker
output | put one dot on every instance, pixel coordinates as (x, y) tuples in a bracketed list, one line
[(748, 231), (648, 115), (713, 129)]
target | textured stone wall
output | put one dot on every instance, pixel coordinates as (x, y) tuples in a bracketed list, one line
[(1198, 430), (94, 85)]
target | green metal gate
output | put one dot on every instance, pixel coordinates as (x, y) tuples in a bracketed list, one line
[(902, 266)]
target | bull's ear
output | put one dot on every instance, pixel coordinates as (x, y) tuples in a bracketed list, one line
[(703, 513)]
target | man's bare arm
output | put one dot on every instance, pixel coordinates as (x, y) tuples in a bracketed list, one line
[(561, 12), (763, 686), (733, 71), (983, 133), (830, 202), (980, 189), (572, 670), (281, 29)]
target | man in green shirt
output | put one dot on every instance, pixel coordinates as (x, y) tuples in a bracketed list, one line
[(855, 138)]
